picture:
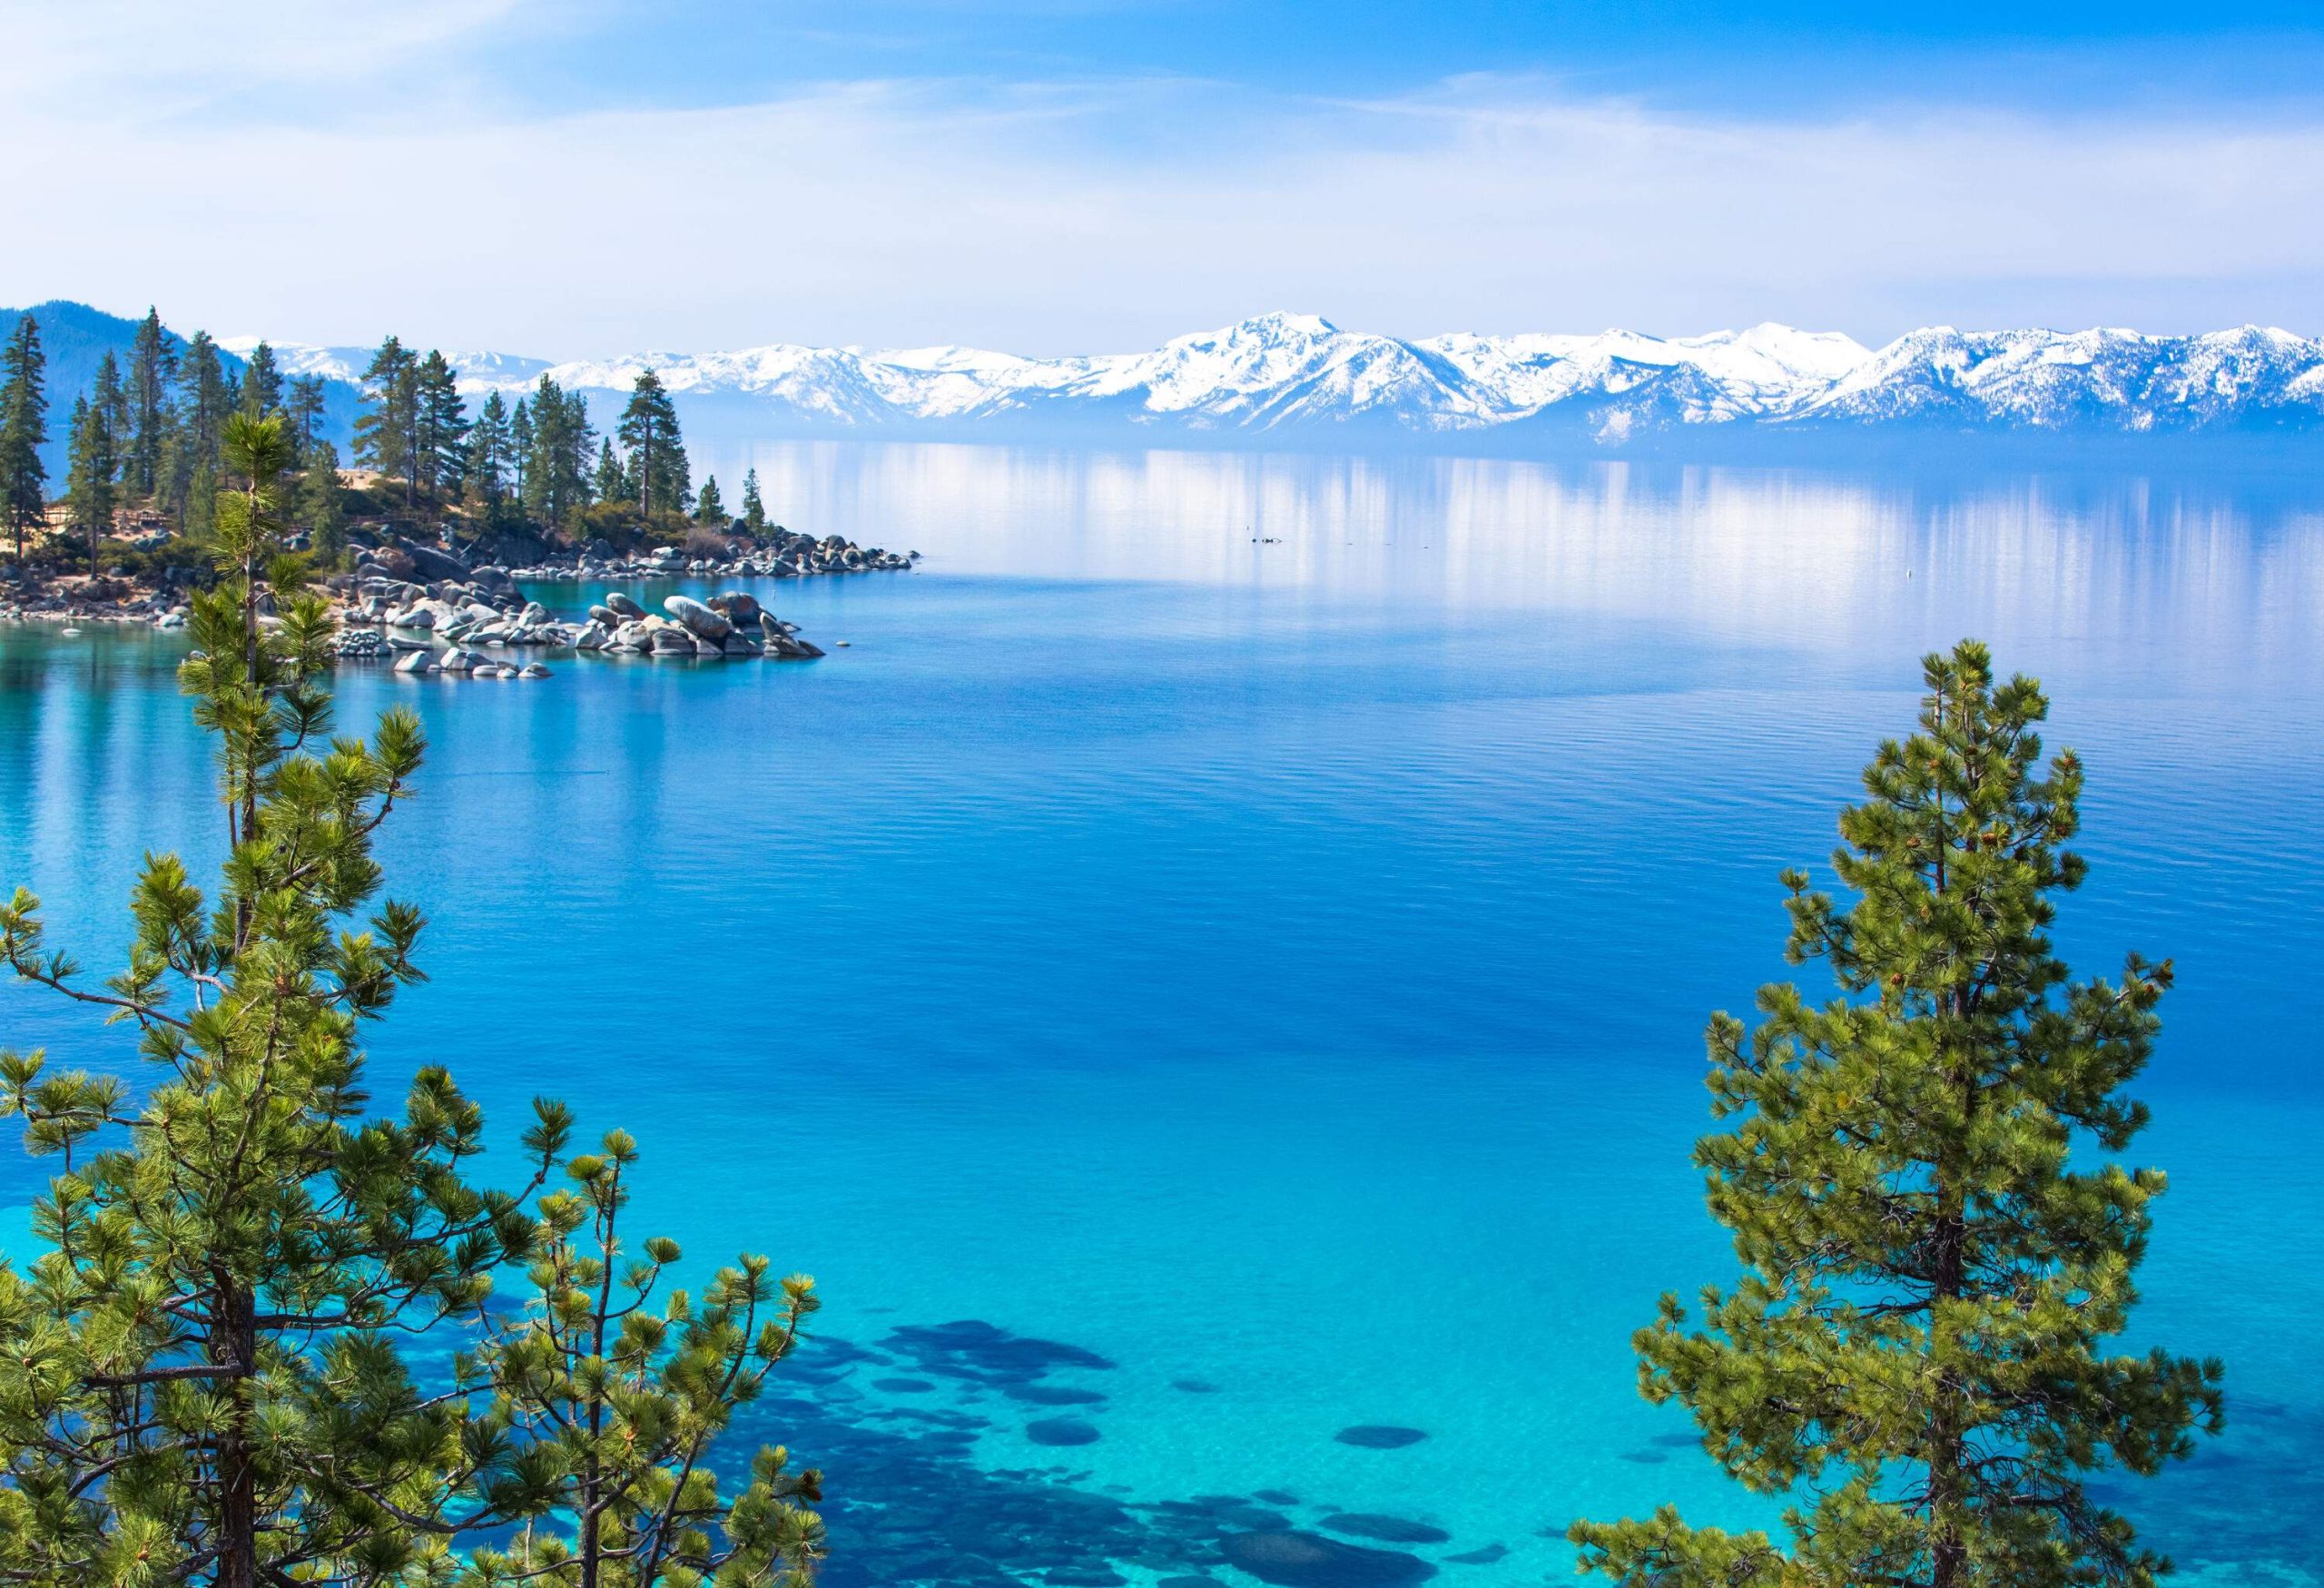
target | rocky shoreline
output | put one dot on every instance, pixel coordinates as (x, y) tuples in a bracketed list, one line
[(428, 610)]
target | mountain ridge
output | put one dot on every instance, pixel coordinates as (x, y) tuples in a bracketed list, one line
[(1282, 375), (1288, 379)]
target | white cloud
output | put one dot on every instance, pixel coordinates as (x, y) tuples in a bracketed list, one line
[(131, 58), (1107, 215)]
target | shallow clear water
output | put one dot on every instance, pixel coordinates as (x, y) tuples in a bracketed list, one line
[(1251, 920)]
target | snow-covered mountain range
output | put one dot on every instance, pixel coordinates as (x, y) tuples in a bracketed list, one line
[(1281, 375)]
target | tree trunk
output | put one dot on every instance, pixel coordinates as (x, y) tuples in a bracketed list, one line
[(1946, 1474), (233, 1342)]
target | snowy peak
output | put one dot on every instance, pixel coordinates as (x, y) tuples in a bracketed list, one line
[(476, 371), (1286, 374)]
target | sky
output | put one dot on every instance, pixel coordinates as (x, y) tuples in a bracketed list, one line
[(569, 178)]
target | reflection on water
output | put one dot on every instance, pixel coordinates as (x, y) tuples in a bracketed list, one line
[(2232, 569), (1247, 922)]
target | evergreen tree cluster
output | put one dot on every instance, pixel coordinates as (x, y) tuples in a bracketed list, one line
[(415, 428), (150, 440), (540, 458)]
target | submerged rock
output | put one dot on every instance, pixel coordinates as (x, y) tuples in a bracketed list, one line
[(1379, 1436), (1480, 1557), (1293, 1559), (1061, 1431)]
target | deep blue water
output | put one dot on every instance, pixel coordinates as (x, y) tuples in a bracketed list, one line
[(1281, 967)]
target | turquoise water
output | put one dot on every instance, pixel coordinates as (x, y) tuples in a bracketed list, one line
[(1277, 969)]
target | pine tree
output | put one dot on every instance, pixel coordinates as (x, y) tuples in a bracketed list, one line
[(520, 449), (753, 508), (196, 519), (491, 445), (318, 508), (384, 431), (207, 1381), (23, 429), (1918, 1350), (90, 480), (556, 469), (152, 410), (575, 433), (193, 462), (709, 509), (262, 390), (441, 436), (657, 459), (613, 478), (110, 398), (646, 1508), (303, 407)]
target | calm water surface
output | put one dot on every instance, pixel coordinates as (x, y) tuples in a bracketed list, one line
[(1239, 929)]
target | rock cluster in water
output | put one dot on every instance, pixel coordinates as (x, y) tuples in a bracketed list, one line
[(948, 1482), (392, 618), (783, 555)]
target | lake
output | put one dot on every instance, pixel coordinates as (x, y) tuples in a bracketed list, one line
[(1231, 937)]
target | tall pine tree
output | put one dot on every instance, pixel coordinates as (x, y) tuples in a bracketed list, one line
[(261, 392), (1939, 1251), (110, 398), (92, 481), (491, 445), (611, 479), (194, 460), (24, 430), (556, 467), (152, 410), (710, 511), (302, 407), (386, 431), (318, 509), (657, 457), (753, 507), (440, 437), (520, 451)]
